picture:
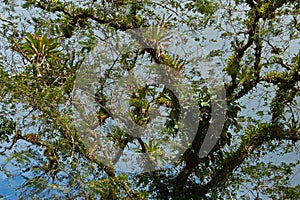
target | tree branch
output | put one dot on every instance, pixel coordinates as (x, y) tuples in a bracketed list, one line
[(240, 53), (191, 156), (266, 134)]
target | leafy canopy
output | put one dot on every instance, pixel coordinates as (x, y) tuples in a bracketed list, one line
[(254, 48)]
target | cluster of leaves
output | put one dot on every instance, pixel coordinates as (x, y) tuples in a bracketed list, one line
[(7, 127)]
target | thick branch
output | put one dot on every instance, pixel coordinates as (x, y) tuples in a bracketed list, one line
[(191, 156), (117, 24), (252, 32), (264, 135), (241, 51), (251, 82)]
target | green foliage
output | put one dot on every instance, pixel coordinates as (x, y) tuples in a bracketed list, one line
[(59, 152), (42, 46), (201, 6), (7, 128)]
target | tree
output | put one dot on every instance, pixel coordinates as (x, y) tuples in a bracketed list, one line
[(45, 46)]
